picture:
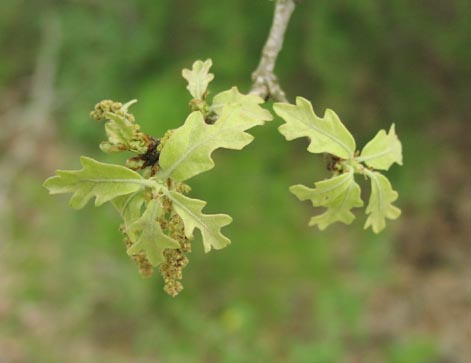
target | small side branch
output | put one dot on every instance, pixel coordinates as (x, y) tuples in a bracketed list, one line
[(265, 83)]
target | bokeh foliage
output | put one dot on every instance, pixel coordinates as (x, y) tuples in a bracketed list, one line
[(280, 292)]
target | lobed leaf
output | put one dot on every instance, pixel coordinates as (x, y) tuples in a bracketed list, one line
[(129, 207), (198, 78), (123, 134), (95, 179), (383, 150), (327, 134), (339, 194), (146, 235), (190, 211), (380, 205), (188, 150), (250, 104)]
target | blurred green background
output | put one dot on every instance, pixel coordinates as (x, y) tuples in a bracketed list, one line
[(281, 292)]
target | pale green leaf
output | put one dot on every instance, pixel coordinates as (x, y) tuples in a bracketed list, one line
[(190, 211), (95, 179), (327, 134), (198, 78), (123, 134), (380, 205), (383, 150), (129, 207), (250, 104), (147, 236), (339, 194), (188, 150), (119, 132)]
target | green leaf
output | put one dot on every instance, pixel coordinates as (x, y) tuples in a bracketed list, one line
[(123, 134), (129, 207), (147, 235), (327, 134), (190, 211), (95, 179), (380, 205), (198, 78), (188, 150), (383, 150), (339, 194), (250, 104)]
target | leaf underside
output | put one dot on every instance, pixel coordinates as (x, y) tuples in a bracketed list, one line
[(380, 205), (339, 195), (198, 78), (188, 151), (129, 207), (146, 235), (383, 150), (122, 135), (327, 134), (95, 179), (250, 104), (190, 211)]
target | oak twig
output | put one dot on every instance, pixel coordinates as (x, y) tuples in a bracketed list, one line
[(265, 83)]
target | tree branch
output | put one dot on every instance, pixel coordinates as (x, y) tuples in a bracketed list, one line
[(265, 83)]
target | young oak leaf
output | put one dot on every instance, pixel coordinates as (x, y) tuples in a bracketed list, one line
[(380, 205), (123, 134), (250, 104), (147, 235), (327, 134), (95, 179), (129, 207), (188, 151), (190, 211), (339, 194), (198, 78), (383, 150)]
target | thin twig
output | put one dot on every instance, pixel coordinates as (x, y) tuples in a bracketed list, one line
[(265, 82)]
